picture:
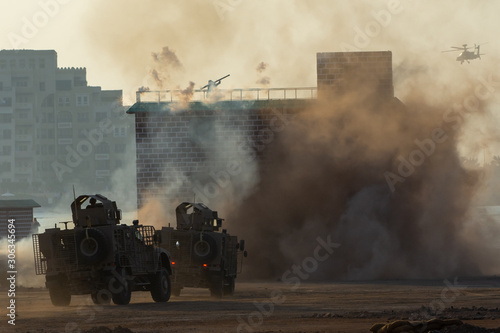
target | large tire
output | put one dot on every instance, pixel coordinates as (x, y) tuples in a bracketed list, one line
[(121, 290), (91, 246), (204, 249), (59, 296), (160, 286)]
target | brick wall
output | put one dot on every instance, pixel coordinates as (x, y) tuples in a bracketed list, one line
[(194, 152), (346, 71)]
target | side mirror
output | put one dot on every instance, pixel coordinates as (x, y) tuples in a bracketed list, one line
[(242, 245), (245, 254)]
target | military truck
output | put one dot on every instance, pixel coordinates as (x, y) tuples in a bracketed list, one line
[(202, 257), (101, 257)]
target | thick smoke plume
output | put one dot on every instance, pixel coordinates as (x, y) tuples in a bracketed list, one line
[(325, 176)]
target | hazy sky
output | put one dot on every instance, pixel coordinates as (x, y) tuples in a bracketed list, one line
[(114, 39)]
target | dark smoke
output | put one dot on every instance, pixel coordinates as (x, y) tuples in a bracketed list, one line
[(166, 63), (261, 67), (167, 57), (262, 80), (324, 177)]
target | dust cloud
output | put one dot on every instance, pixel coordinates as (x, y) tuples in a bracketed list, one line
[(25, 263), (382, 179), (330, 172)]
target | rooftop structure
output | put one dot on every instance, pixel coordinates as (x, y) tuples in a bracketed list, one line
[(180, 134)]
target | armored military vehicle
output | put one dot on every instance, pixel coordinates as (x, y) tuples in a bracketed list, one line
[(101, 257), (202, 257)]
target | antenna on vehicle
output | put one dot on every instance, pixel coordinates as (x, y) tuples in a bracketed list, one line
[(74, 201)]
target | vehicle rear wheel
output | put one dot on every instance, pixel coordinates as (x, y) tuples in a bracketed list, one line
[(59, 296), (160, 286), (120, 288)]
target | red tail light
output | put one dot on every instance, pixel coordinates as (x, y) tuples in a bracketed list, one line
[(173, 262), (204, 265)]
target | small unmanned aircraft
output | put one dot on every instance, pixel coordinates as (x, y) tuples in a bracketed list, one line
[(466, 55)]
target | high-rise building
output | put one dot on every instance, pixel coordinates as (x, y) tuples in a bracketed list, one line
[(55, 129)]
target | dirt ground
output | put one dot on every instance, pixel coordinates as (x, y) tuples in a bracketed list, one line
[(267, 307)]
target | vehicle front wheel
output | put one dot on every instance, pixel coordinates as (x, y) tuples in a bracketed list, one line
[(59, 296), (160, 286)]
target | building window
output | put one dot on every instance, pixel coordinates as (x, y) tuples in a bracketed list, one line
[(64, 117), (20, 147), (103, 148), (41, 63), (82, 117), (42, 86), (20, 82), (82, 100), (3, 64), (120, 131), (12, 63), (22, 63), (32, 63), (63, 101)]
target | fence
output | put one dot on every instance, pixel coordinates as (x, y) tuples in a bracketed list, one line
[(258, 94)]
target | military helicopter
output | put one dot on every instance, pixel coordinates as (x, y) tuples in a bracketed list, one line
[(466, 55)]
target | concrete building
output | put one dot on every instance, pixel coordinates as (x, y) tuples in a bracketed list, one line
[(55, 129), (178, 144)]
